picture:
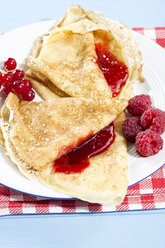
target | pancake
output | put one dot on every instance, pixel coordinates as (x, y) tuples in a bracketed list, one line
[(71, 67), (37, 133), (104, 181), (66, 56)]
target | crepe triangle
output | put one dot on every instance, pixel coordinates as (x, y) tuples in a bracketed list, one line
[(104, 181), (67, 59), (37, 133)]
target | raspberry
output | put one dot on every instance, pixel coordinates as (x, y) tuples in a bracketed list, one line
[(131, 128), (154, 119), (138, 104), (148, 143)]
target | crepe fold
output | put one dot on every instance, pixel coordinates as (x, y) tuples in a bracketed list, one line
[(37, 133), (66, 56), (104, 181)]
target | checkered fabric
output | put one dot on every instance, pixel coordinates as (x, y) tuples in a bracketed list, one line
[(147, 194)]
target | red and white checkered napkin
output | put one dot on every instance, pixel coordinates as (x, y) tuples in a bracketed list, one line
[(147, 194)]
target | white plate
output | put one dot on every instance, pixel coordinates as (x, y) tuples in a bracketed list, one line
[(18, 44)]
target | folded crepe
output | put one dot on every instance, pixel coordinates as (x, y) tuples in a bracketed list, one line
[(66, 56), (104, 181), (37, 133)]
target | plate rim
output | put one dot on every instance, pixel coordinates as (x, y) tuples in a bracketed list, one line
[(72, 198)]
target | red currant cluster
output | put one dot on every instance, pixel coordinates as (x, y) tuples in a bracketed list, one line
[(13, 81)]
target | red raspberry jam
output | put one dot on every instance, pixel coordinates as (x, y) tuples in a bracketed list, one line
[(114, 71), (77, 160)]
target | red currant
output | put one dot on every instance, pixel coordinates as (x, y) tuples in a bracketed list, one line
[(18, 75), (0, 78), (6, 91), (28, 95), (10, 64), (10, 73), (18, 87), (7, 80), (27, 84)]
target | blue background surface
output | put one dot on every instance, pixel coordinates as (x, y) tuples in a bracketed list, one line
[(15, 13), (128, 229)]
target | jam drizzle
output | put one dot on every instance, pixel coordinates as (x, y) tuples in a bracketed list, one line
[(77, 160), (115, 72)]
